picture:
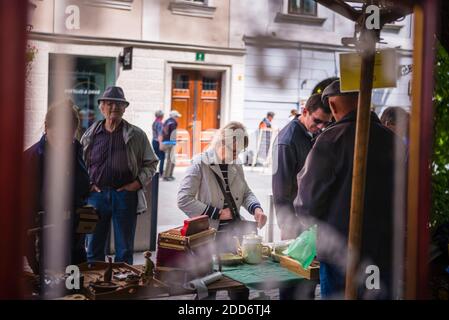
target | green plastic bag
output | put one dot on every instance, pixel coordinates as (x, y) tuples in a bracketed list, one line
[(303, 249)]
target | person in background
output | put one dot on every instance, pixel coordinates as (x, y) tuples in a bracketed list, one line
[(293, 114), (265, 135), (121, 162), (157, 139), (36, 172), (169, 143), (397, 120), (266, 122)]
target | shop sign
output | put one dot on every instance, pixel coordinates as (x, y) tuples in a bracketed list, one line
[(385, 70)]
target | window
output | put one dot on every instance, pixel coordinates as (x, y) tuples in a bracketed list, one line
[(195, 8), (196, 1), (182, 81), (114, 4), (209, 84), (88, 80), (303, 12), (303, 7)]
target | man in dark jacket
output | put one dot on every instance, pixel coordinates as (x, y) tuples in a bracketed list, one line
[(290, 151), (324, 195), (37, 171)]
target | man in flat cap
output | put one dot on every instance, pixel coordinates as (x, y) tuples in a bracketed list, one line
[(121, 162), (324, 196)]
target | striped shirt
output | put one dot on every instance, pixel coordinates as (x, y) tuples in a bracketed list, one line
[(213, 212), (224, 172), (108, 165)]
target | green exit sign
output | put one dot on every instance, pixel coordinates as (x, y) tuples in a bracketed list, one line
[(200, 56)]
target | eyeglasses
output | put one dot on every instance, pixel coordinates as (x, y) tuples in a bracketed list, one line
[(319, 121)]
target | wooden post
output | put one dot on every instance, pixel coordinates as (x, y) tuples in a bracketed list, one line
[(13, 20), (420, 152), (154, 212), (368, 44)]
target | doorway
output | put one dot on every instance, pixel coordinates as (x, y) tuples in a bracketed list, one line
[(196, 94)]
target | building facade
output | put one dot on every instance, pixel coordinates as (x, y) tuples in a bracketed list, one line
[(182, 59), (292, 50), (212, 60)]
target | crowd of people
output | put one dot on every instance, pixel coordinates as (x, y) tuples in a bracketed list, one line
[(311, 182)]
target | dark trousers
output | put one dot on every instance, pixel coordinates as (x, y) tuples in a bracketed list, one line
[(160, 154), (333, 282), (301, 291), (120, 207)]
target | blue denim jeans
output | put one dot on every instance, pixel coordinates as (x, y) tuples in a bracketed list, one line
[(121, 207), (332, 282), (160, 154)]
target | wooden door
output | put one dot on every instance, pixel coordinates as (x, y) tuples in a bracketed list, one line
[(196, 95)]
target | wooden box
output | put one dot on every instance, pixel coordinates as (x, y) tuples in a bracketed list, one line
[(87, 219), (311, 273), (183, 258), (174, 240), (93, 271)]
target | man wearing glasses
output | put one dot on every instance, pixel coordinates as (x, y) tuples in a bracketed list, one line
[(121, 162), (290, 151), (293, 144)]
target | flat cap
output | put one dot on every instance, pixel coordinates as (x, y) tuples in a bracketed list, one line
[(334, 90)]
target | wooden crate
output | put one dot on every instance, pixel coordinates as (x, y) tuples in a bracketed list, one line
[(311, 273), (94, 271)]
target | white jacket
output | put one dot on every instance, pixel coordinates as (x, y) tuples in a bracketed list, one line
[(200, 193)]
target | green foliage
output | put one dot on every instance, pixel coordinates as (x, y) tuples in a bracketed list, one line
[(30, 55), (440, 159)]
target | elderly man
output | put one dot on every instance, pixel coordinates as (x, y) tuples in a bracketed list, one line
[(324, 195), (121, 162)]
